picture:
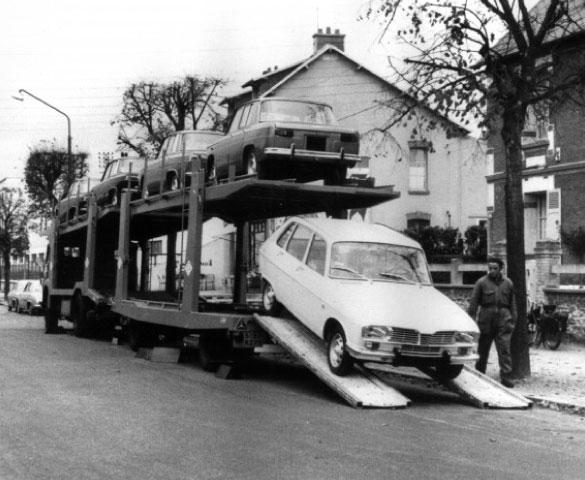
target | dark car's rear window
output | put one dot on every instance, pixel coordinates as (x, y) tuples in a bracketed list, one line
[(296, 112)]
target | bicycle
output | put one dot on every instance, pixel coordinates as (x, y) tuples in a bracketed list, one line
[(545, 325)]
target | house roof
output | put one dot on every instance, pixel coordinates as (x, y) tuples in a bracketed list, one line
[(291, 70), (569, 26)]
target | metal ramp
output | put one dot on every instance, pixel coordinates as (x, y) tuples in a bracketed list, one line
[(361, 388), (482, 391), (367, 387)]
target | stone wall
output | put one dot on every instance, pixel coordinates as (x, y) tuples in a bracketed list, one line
[(569, 301), (573, 302)]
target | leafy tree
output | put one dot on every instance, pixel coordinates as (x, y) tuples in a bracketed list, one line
[(476, 242), (47, 176), (153, 110), (13, 232), (437, 241), (458, 67)]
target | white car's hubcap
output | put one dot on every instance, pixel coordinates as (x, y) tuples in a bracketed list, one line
[(336, 350)]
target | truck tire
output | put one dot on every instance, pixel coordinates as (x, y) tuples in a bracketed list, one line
[(51, 315), (79, 308), (140, 335)]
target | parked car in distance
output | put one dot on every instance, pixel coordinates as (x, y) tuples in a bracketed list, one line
[(173, 158), (366, 290), (281, 138), (16, 287), (75, 200), (108, 191), (31, 298)]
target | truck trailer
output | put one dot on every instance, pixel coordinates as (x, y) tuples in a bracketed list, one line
[(98, 261)]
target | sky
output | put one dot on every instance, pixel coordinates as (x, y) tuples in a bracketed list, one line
[(79, 56)]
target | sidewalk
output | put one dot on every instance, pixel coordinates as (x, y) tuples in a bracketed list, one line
[(558, 377)]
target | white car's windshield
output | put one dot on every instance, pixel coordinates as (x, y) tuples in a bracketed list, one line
[(299, 112), (378, 261)]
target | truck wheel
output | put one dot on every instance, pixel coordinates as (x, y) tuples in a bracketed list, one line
[(212, 348), (338, 358), (79, 313), (140, 335), (270, 304)]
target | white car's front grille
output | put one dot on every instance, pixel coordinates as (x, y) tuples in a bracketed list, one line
[(412, 337)]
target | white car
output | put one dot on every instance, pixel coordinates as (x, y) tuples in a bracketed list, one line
[(366, 290), (31, 298)]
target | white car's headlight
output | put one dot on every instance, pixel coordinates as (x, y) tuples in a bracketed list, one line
[(466, 337), (376, 331)]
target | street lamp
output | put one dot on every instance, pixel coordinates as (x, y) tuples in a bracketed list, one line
[(69, 156)]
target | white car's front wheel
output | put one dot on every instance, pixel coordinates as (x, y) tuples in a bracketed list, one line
[(338, 358)]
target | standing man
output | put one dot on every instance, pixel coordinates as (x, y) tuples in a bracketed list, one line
[(494, 295)]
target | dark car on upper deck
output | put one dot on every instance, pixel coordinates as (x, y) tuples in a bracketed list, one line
[(281, 138), (75, 199), (117, 174), (171, 169)]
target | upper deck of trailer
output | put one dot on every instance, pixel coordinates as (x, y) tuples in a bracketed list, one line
[(240, 201)]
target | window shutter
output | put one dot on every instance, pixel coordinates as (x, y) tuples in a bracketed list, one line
[(553, 214)]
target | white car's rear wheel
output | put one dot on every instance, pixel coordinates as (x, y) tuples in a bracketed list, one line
[(269, 302), (338, 358)]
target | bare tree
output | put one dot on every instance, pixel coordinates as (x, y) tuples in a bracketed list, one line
[(153, 110), (47, 175), (13, 232), (488, 61)]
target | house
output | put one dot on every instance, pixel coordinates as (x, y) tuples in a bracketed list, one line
[(554, 166), (440, 173)]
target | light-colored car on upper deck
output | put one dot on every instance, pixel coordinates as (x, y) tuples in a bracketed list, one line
[(366, 290)]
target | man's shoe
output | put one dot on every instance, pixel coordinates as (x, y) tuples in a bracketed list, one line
[(507, 383)]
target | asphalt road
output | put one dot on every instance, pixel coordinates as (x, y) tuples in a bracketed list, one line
[(86, 409)]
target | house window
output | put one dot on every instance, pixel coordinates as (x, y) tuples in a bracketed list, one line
[(418, 167), (541, 209), (418, 220)]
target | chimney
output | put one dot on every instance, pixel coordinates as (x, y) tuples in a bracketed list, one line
[(321, 39)]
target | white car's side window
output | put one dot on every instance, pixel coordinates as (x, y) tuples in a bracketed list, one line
[(316, 255), (284, 238), (297, 246)]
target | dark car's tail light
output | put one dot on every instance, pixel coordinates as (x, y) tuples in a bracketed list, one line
[(349, 137), (281, 132)]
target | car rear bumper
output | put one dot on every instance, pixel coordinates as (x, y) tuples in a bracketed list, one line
[(314, 156)]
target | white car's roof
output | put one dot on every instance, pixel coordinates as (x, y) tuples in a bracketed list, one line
[(336, 230)]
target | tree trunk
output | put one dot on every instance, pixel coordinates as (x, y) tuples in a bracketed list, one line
[(514, 201), (6, 263)]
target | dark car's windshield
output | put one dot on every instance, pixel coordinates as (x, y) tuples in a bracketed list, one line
[(298, 112), (378, 261), (199, 140)]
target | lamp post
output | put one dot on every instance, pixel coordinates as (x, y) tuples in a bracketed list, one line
[(69, 156)]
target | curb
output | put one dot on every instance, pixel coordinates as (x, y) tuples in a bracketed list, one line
[(558, 405)]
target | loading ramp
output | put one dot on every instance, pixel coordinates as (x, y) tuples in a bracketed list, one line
[(370, 387), (361, 388)]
